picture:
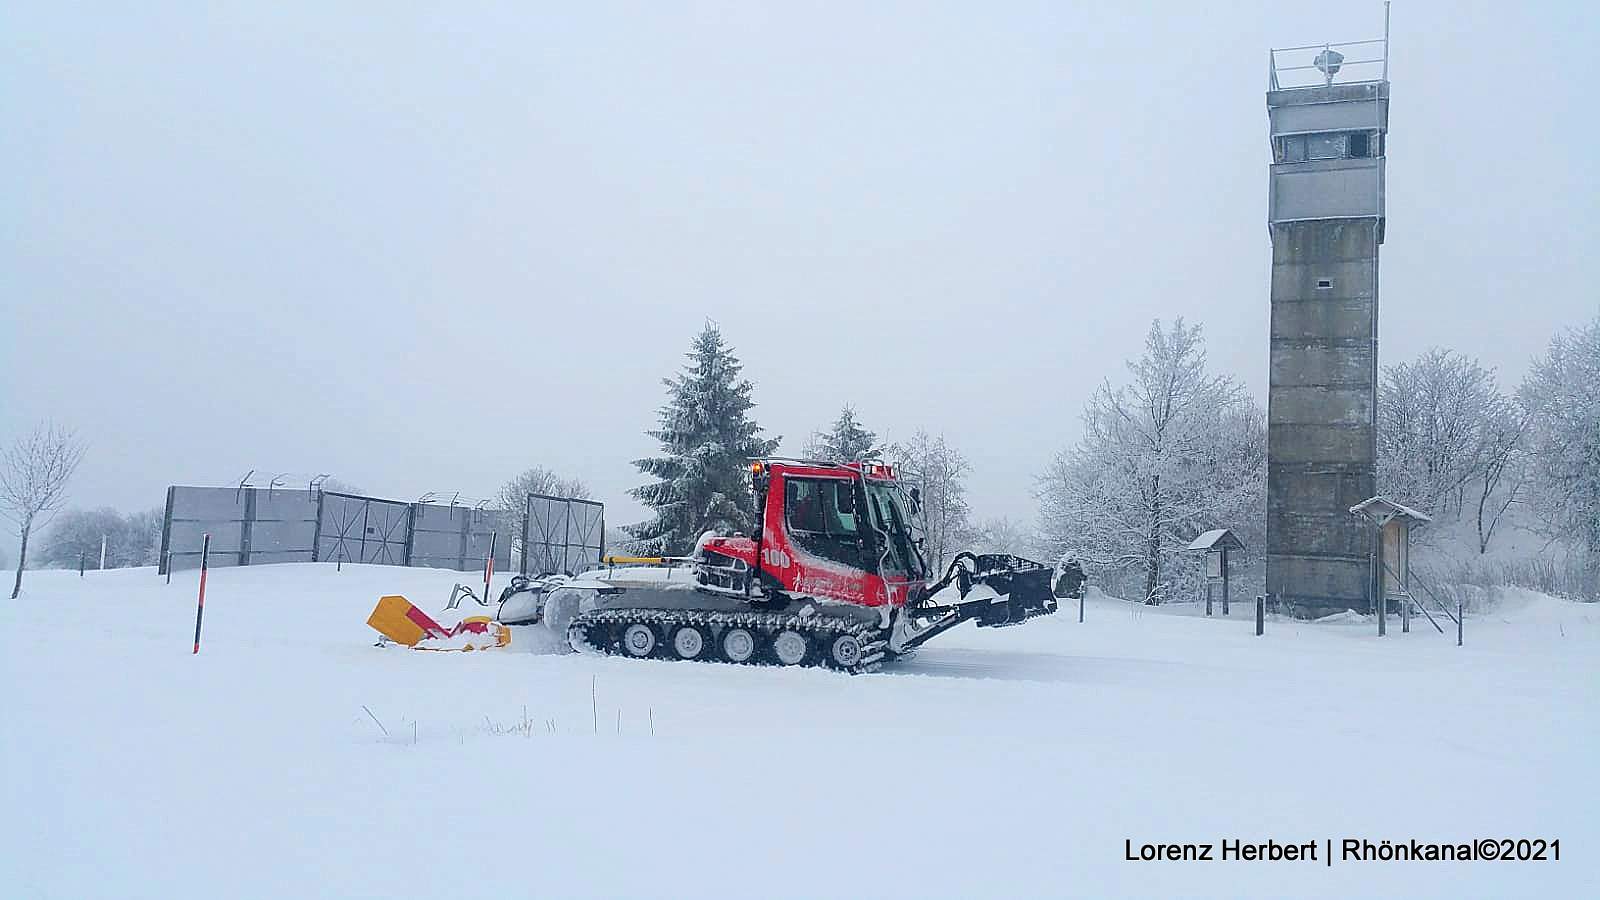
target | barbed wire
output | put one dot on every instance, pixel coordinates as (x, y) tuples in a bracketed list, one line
[(312, 482)]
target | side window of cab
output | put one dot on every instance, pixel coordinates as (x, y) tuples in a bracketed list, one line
[(820, 514)]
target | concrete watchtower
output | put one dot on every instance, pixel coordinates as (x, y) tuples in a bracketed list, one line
[(1328, 108)]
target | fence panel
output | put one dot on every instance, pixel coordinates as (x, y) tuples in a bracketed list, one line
[(363, 529), (457, 537), (563, 535), (283, 527), (196, 511)]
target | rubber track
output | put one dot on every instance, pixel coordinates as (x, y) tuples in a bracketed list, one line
[(823, 629)]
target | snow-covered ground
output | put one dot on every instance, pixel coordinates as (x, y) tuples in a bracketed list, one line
[(1010, 762)]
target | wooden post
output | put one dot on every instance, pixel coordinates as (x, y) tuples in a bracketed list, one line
[(1080, 609), (1381, 584), (1405, 614), (80, 563), (1261, 613), (1208, 596), (1224, 580), (1460, 614)]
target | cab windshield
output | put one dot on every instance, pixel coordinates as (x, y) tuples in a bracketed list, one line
[(891, 522)]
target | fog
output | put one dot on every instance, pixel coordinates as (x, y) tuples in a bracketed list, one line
[(425, 250)]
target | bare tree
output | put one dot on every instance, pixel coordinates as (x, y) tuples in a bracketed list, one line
[(1435, 417), (939, 471), (513, 495), (76, 534), (34, 472), (1172, 453), (512, 499), (1503, 475), (1005, 535), (1563, 411), (335, 485)]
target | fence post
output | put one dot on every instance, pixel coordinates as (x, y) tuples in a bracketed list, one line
[(1460, 616), (247, 527), (166, 534), (1261, 613), (411, 531), (80, 563), (1080, 608), (316, 531), (522, 557)]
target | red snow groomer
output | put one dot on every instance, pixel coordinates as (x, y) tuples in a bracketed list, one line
[(834, 576)]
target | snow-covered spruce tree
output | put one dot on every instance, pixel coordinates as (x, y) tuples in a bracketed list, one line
[(1563, 418), (845, 441), (1174, 452), (707, 438)]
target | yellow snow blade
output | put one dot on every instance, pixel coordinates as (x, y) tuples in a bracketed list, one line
[(399, 620), (393, 618)]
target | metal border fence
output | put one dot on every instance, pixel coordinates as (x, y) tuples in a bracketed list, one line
[(255, 526)]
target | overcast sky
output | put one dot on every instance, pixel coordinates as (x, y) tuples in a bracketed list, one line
[(424, 249)]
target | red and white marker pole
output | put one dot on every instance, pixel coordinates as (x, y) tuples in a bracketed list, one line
[(488, 565), (205, 556)]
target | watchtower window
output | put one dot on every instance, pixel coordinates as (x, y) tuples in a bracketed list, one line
[(1297, 148), (1325, 146)]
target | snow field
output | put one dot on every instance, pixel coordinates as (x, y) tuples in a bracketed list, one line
[(997, 762)]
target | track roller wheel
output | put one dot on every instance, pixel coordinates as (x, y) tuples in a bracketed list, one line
[(844, 651), (689, 642), (639, 640), (790, 647), (739, 644)]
